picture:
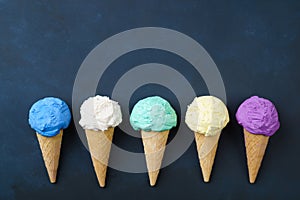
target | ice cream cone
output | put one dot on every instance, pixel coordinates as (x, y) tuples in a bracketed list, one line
[(99, 144), (50, 147), (255, 150), (154, 148), (207, 159)]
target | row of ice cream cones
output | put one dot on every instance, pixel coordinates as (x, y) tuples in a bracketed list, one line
[(154, 117), (99, 148)]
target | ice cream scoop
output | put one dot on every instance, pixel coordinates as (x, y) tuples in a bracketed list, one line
[(48, 117), (153, 114), (206, 116), (154, 117), (100, 113), (99, 116), (259, 118)]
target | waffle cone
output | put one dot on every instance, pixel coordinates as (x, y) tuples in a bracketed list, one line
[(154, 148), (255, 150), (206, 162), (99, 144), (50, 147)]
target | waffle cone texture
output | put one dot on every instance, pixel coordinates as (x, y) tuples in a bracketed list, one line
[(99, 143), (255, 150), (207, 162), (50, 147), (154, 148)]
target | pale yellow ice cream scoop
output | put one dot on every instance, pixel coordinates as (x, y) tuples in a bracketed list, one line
[(207, 115)]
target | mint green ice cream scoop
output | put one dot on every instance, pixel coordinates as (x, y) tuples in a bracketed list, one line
[(153, 114)]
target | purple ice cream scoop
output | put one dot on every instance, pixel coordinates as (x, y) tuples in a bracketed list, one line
[(258, 116)]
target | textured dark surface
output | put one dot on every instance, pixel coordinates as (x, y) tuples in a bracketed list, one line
[(255, 45)]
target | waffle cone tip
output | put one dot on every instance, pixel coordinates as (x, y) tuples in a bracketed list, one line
[(101, 181), (206, 173), (153, 177), (206, 178), (52, 175), (100, 170), (252, 179)]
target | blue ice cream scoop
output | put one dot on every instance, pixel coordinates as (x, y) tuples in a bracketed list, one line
[(49, 115)]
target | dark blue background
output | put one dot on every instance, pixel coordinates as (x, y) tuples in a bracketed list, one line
[(255, 44)]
